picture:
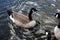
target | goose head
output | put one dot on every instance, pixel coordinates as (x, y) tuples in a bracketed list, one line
[(33, 9), (57, 15)]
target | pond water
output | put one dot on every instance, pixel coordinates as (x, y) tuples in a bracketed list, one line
[(20, 5)]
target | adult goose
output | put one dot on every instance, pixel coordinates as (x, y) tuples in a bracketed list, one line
[(57, 28), (21, 20)]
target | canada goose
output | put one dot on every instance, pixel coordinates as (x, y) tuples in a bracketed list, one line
[(48, 34), (57, 28), (22, 20)]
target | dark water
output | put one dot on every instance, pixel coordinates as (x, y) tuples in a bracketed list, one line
[(8, 4)]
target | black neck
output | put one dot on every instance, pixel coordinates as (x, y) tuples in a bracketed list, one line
[(30, 15), (58, 15), (59, 25)]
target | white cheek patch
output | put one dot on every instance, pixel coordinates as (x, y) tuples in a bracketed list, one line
[(12, 18), (56, 15), (46, 33)]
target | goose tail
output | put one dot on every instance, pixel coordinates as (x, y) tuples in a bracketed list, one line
[(9, 12)]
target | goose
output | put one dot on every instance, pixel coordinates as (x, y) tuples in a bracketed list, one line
[(22, 20), (48, 34), (57, 28)]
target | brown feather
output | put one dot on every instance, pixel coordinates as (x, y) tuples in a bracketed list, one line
[(20, 17)]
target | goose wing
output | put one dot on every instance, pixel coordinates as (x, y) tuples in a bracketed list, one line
[(20, 17)]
